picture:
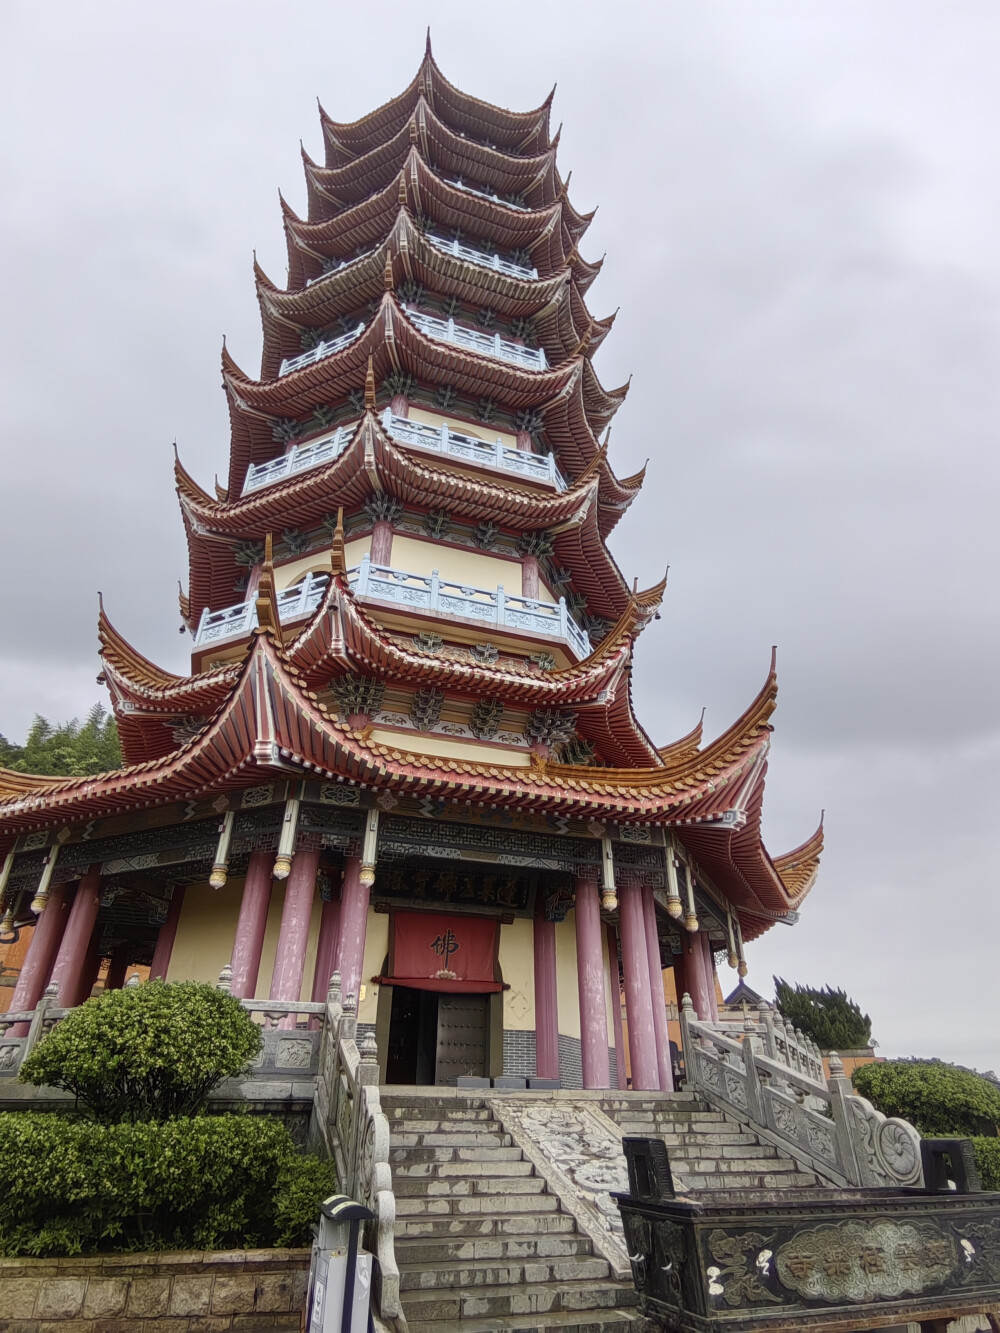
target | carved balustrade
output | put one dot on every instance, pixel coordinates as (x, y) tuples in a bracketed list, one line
[(772, 1079), (233, 622), (490, 344), (495, 607), (485, 194), (321, 351), (474, 255), (349, 1123), (300, 458), (468, 449)]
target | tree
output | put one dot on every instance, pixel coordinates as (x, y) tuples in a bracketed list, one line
[(942, 1100), (72, 749), (834, 1022), (149, 1052)]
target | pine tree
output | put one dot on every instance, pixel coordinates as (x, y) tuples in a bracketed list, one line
[(71, 749), (834, 1022)]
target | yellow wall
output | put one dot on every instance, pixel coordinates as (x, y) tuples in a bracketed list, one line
[(461, 566), (318, 562), (376, 948), (478, 431), (567, 990), (421, 743), (517, 965)]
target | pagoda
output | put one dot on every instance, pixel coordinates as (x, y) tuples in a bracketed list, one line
[(406, 750)]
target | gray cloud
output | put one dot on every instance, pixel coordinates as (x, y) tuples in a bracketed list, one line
[(799, 207)]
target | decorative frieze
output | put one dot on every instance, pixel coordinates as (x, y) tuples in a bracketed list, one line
[(485, 720), (358, 694), (425, 709)]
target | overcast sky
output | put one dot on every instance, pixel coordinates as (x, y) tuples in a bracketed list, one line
[(800, 205)]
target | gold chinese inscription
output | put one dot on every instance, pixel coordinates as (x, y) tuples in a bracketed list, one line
[(864, 1261)]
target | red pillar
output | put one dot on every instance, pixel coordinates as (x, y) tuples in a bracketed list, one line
[(167, 935), (529, 576), (638, 1000), (326, 949), (72, 971), (381, 553), (353, 927), (696, 975), (621, 1081), (713, 1001), (290, 957), (251, 924), (89, 972), (656, 992), (46, 936), (546, 999), (524, 441), (590, 978), (114, 978)]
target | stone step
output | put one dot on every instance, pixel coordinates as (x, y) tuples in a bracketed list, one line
[(499, 1273), (442, 1205), (456, 1249), (492, 1153), (417, 1111), (693, 1140), (436, 1139), (798, 1180), (491, 1166), (474, 1227), (443, 1127), (736, 1165), (431, 1187), (502, 1301), (598, 1321)]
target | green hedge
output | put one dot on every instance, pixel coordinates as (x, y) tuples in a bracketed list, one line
[(149, 1052), (73, 1186), (988, 1162), (939, 1099)]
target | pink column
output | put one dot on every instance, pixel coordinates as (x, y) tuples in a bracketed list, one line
[(695, 976), (524, 441), (713, 1002), (114, 978), (326, 949), (71, 970), (638, 1001), (621, 1081), (381, 552), (656, 991), (89, 972), (167, 935), (290, 958), (529, 576), (47, 933), (251, 925), (353, 926), (546, 999), (590, 978), (400, 405)]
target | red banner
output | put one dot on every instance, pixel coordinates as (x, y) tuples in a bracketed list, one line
[(431, 951)]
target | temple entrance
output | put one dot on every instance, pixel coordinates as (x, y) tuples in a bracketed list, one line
[(436, 1037)]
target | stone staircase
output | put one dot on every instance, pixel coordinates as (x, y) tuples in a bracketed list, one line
[(708, 1150), (481, 1243)]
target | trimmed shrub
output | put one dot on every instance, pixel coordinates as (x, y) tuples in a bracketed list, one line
[(988, 1162), (834, 1022), (210, 1182), (150, 1052), (940, 1100)]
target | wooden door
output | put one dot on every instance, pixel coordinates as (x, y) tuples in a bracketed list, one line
[(461, 1037)]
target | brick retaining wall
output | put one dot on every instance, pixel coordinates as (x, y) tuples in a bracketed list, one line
[(257, 1291)]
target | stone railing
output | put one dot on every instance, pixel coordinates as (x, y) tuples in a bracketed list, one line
[(493, 607), (232, 622), (490, 344), (772, 1079), (484, 194), (300, 458), (321, 350), (349, 1124), (481, 257), (468, 449), (332, 266)]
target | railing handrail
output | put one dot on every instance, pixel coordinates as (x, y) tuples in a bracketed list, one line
[(442, 439), (491, 344), (472, 253), (299, 458), (321, 350), (343, 263), (761, 1081), (241, 617), (485, 194)]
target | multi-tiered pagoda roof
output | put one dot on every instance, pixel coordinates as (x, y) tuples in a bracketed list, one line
[(426, 386)]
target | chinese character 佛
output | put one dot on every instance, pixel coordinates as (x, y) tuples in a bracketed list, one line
[(445, 945)]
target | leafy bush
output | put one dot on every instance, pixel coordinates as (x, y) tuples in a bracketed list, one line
[(834, 1022), (988, 1162), (211, 1182), (149, 1052), (939, 1099)]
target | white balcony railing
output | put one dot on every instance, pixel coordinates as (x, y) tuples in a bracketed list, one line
[(320, 351), (233, 622), (481, 257), (443, 440), (485, 194), (490, 344), (300, 458), (336, 266), (429, 592)]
